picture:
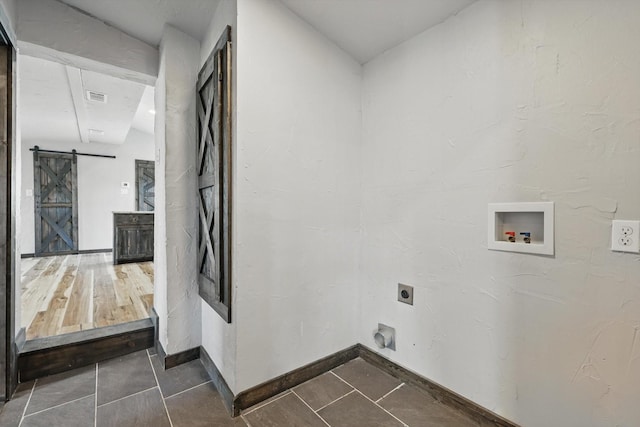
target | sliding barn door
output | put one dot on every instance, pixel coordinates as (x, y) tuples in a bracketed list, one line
[(56, 203), (214, 178), (145, 185)]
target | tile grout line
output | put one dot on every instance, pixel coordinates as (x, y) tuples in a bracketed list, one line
[(307, 405), (58, 406), (331, 403), (284, 393), (189, 389), (95, 412), (341, 379), (159, 389), (127, 396), (370, 400), (245, 420), (28, 401), (401, 384)]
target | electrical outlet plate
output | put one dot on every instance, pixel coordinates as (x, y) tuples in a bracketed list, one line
[(625, 236), (405, 294)]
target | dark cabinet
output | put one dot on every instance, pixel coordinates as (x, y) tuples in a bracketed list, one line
[(132, 237)]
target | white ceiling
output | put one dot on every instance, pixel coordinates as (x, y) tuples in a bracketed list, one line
[(363, 28), (144, 117), (366, 28), (54, 107), (145, 19), (46, 106)]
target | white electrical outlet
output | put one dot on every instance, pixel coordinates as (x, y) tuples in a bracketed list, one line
[(625, 236)]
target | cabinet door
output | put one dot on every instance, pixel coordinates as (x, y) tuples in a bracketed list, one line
[(133, 243), (126, 243), (145, 242)]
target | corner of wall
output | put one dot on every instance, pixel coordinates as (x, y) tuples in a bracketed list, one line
[(178, 303), (219, 338)]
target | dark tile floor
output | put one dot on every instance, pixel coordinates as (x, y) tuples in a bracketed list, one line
[(135, 391)]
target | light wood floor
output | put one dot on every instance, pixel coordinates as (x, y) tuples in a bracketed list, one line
[(72, 293)]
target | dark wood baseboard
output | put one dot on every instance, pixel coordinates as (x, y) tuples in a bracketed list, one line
[(155, 319), (169, 361), (479, 414), (218, 380), (52, 355), (264, 391), (291, 379), (95, 251), (173, 360), (83, 252), (13, 363), (16, 346), (160, 352)]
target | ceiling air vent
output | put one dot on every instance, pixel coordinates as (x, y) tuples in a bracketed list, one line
[(96, 97)]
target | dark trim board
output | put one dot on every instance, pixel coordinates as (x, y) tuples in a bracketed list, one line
[(15, 355), (95, 251), (52, 355), (479, 414), (218, 380), (262, 392), (8, 380), (83, 252), (173, 360), (268, 389)]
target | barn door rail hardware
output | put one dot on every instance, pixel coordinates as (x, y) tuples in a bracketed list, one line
[(73, 152)]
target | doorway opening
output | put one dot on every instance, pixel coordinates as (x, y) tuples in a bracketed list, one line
[(84, 137)]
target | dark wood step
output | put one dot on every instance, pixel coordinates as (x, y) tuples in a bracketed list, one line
[(52, 355)]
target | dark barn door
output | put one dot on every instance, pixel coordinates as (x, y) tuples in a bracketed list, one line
[(56, 203), (145, 185), (214, 178)]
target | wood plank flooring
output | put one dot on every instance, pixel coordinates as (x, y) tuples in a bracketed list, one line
[(71, 293)]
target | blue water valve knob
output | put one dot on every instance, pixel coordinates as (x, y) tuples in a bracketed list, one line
[(527, 237)]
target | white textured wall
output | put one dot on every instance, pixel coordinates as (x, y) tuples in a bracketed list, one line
[(218, 336), (99, 181), (160, 216), (509, 101), (296, 194), (176, 291), (52, 30)]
